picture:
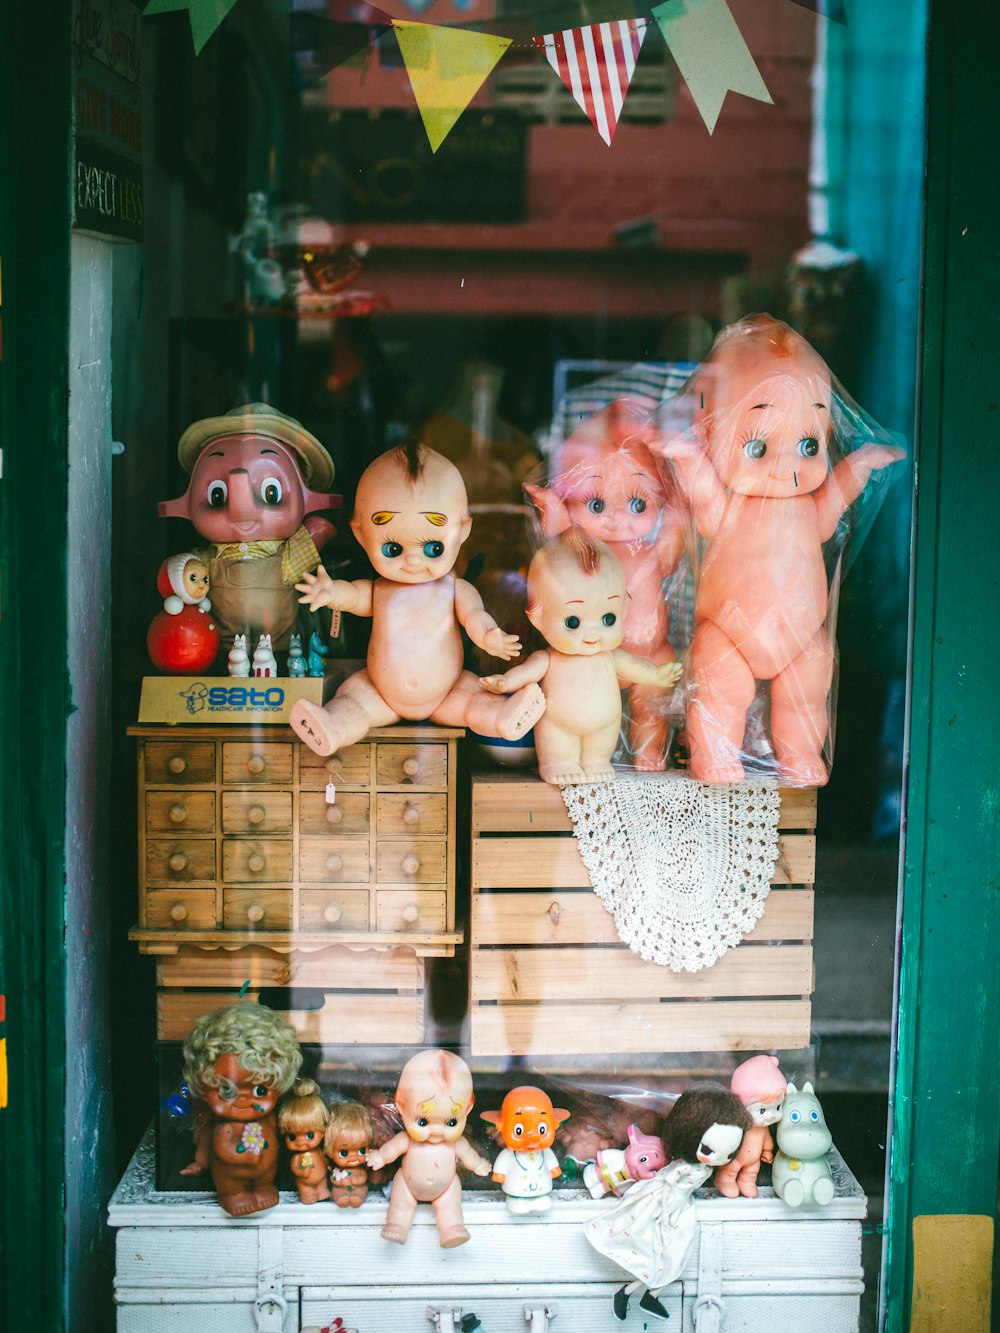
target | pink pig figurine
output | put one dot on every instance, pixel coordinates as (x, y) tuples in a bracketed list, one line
[(616, 1168)]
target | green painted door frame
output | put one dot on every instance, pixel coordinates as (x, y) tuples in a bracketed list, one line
[(946, 1107)]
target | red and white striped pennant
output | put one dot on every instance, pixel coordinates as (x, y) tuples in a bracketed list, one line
[(596, 64)]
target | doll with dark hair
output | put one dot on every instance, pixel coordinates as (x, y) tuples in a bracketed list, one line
[(651, 1231)]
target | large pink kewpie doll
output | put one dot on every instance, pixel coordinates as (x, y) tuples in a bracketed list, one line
[(610, 485), (411, 515), (760, 1086), (756, 470)]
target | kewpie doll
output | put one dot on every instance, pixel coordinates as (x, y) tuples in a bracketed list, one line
[(760, 1086), (239, 1060), (302, 1121), (527, 1166), (411, 515), (615, 1169), (756, 471), (434, 1098), (349, 1138), (610, 485), (577, 601), (183, 581)]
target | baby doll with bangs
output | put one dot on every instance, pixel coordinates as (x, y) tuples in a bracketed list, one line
[(239, 1060), (350, 1135), (302, 1121), (411, 515)]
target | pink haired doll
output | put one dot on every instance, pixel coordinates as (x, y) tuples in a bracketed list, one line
[(615, 1169), (760, 1086)]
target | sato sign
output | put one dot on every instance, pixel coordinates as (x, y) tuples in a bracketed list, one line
[(215, 699)]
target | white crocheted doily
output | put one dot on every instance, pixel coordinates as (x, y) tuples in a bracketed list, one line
[(684, 867)]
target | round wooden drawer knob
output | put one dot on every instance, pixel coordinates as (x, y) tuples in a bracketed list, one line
[(334, 814), (411, 914), (411, 814), (334, 862), (178, 862), (411, 863), (255, 913), (177, 763), (178, 813), (332, 913), (256, 862), (411, 767), (333, 763), (256, 763), (256, 814), (178, 912)]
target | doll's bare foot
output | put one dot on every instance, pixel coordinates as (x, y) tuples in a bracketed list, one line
[(395, 1233), (520, 712), (453, 1237), (239, 1205), (803, 771), (264, 1199), (562, 775), (648, 763), (313, 1194), (599, 772), (731, 772), (312, 726)]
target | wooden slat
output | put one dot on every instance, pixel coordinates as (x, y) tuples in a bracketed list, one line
[(346, 1019), (512, 803), (398, 969), (579, 917), (513, 863), (580, 1028), (603, 973)]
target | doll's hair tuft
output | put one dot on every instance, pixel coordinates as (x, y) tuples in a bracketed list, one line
[(350, 1121), (411, 456), (303, 1109), (265, 1044)]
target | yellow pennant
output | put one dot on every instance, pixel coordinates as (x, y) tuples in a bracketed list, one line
[(447, 67)]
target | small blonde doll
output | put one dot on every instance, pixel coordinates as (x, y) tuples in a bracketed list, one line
[(349, 1136), (302, 1122)]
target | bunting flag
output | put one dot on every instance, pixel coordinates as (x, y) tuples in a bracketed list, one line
[(447, 67), (711, 54), (205, 15), (596, 64), (829, 9)]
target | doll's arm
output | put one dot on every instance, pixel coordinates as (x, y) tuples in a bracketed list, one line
[(381, 1157), (472, 1160), (528, 672), (551, 508), (320, 589), (480, 626), (640, 672), (697, 478), (767, 1148), (848, 479), (202, 1148)]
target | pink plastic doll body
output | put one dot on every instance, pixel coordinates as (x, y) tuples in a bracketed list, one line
[(349, 1138), (758, 478), (411, 516), (250, 497), (239, 1060), (434, 1098), (615, 1169), (577, 602), (526, 1165), (302, 1121), (610, 485), (760, 1086)]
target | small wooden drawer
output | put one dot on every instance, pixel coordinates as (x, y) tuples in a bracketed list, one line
[(406, 814), (349, 767), (180, 812), (418, 860), (257, 861), (349, 814), (257, 909), (256, 811), (334, 861), (180, 909), (179, 764), (333, 909), (180, 860), (413, 910), (411, 765), (267, 763)]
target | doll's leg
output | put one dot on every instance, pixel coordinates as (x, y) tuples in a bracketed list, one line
[(353, 711), (402, 1206), (448, 1215), (726, 1180), (559, 755), (648, 728), (746, 1180), (596, 750), (469, 705), (799, 718), (723, 689), (236, 1193)]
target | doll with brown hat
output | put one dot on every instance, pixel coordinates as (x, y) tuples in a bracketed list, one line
[(350, 1135), (302, 1122)]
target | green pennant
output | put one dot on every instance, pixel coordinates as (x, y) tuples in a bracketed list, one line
[(205, 15)]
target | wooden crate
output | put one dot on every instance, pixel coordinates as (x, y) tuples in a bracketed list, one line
[(549, 975), (335, 996)]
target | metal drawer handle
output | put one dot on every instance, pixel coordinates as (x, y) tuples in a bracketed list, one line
[(334, 814), (255, 913), (178, 861), (177, 763), (256, 862), (256, 763), (178, 812), (332, 913), (334, 862), (411, 813), (411, 767), (178, 912), (411, 863)]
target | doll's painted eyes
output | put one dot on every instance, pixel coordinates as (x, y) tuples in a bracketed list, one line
[(422, 1121), (433, 549), (227, 1091), (609, 619), (518, 1131), (814, 1117), (542, 1129), (596, 505), (261, 1090), (362, 1151), (310, 1135), (637, 505), (343, 1152), (795, 1117), (270, 491), (808, 447), (755, 448), (392, 550), (451, 1123), (643, 1160), (217, 494), (572, 622)]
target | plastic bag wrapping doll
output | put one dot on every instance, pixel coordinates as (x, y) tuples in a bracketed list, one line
[(783, 474), (605, 480)]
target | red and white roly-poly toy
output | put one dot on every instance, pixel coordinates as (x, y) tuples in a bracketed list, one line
[(183, 638)]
